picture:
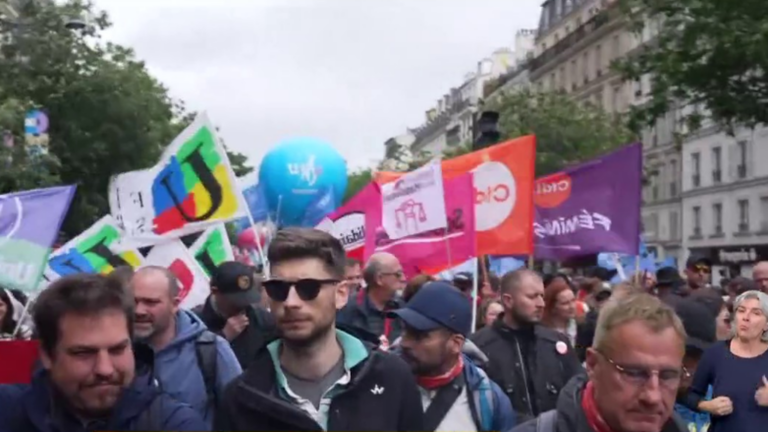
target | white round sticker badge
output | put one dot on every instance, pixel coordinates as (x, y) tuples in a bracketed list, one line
[(561, 348)]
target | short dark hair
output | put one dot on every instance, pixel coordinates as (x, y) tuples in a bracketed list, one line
[(122, 275), (80, 294), (298, 243), (512, 280), (352, 262)]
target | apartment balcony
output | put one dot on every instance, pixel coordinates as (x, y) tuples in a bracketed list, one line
[(442, 121), (493, 85), (597, 22)]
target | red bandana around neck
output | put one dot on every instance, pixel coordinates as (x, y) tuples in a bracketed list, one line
[(432, 383), (589, 406)]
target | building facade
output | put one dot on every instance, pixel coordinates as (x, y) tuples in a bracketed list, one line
[(725, 198), (577, 42)]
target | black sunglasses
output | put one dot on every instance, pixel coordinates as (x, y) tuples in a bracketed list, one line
[(307, 289)]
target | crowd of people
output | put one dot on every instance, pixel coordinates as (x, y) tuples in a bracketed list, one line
[(328, 343)]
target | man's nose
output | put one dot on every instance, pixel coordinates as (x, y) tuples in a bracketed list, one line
[(104, 365), (293, 300), (652, 391)]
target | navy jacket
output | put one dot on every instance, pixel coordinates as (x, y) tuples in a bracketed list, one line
[(30, 408)]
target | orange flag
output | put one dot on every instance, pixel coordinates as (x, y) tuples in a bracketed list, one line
[(503, 178)]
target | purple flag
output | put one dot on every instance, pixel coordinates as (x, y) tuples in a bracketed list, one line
[(590, 208), (29, 225)]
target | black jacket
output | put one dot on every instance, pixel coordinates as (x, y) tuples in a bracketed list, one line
[(251, 402), (570, 415), (549, 370), (260, 330)]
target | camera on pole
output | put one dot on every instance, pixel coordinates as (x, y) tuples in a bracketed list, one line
[(486, 130)]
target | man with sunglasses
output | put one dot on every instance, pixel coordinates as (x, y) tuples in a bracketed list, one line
[(317, 377), (698, 272), (634, 369)]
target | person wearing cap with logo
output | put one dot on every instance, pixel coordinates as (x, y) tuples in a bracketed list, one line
[(456, 394), (230, 312), (317, 376), (701, 333), (698, 273)]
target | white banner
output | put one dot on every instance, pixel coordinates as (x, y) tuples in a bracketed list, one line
[(414, 203), (193, 283), (212, 249), (191, 188)]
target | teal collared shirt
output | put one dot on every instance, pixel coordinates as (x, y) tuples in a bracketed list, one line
[(354, 351)]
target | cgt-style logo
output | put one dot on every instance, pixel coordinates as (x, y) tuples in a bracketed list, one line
[(552, 191), (307, 171), (11, 215), (495, 195)]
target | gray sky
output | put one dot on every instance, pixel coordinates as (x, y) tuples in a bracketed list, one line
[(351, 72)]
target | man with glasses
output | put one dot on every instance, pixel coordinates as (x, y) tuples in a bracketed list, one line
[(384, 280), (698, 272), (316, 377), (635, 367)]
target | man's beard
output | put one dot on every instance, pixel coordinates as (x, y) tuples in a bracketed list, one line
[(317, 333), (522, 319)]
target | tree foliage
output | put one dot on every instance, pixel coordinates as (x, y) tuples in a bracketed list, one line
[(709, 55), (107, 113), (567, 132), (356, 181)]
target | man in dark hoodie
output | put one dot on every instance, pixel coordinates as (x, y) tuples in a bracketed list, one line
[(230, 312), (92, 377), (316, 377)]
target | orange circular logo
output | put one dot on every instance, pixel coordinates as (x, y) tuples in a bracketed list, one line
[(551, 191)]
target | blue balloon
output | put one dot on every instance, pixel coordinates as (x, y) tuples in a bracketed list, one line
[(295, 172)]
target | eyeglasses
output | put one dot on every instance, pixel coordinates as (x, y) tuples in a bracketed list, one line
[(398, 273), (702, 269), (307, 289), (639, 376)]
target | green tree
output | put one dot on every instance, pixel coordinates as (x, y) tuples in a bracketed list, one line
[(356, 181), (107, 114), (567, 132), (705, 54)]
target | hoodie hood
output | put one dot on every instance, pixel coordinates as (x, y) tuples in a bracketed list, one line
[(188, 328)]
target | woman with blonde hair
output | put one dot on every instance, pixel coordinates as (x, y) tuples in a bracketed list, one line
[(736, 369)]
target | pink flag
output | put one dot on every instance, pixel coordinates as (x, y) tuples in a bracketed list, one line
[(432, 251), (347, 223)]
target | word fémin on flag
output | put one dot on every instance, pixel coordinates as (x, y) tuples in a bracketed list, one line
[(29, 226), (97, 250), (212, 248), (503, 177), (190, 189), (193, 283)]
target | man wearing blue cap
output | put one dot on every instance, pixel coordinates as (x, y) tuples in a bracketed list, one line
[(456, 394)]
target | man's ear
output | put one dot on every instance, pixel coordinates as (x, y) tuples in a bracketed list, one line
[(342, 295)]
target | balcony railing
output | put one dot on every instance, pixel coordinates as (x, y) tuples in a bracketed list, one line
[(589, 27), (717, 176), (497, 83), (742, 171), (442, 120)]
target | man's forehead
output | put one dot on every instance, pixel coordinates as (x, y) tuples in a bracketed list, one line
[(106, 328)]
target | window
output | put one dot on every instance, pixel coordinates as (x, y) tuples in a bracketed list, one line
[(599, 98), (616, 47), (574, 75), (764, 214), (638, 88), (673, 226), (743, 215), (552, 81), (742, 168), (717, 218), (598, 60), (697, 221), (716, 165), (585, 66), (695, 166), (673, 178), (562, 79), (616, 102)]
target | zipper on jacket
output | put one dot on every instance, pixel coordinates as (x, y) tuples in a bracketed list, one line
[(525, 378)]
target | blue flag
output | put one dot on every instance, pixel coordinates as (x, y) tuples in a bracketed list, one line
[(322, 206), (501, 265), (29, 226), (257, 204)]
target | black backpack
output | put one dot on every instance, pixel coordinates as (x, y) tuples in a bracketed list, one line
[(205, 348)]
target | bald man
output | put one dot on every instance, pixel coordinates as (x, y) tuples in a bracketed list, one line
[(530, 362), (760, 275), (384, 280), (191, 364)]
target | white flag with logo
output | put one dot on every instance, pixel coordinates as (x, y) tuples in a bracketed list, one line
[(414, 203), (193, 282)]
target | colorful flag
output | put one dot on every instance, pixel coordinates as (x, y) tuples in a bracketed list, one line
[(503, 181), (190, 189), (97, 250), (212, 248), (347, 223), (414, 203), (324, 205), (434, 251), (29, 225), (591, 208), (193, 283)]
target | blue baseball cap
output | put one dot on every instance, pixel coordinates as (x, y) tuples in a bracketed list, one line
[(437, 305)]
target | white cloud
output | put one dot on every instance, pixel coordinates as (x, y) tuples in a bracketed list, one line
[(351, 72)]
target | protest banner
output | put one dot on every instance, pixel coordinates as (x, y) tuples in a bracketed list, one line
[(190, 189), (414, 203), (193, 282), (17, 360), (212, 248), (347, 223)]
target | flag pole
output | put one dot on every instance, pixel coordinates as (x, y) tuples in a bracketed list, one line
[(256, 235), (530, 261), (474, 294)]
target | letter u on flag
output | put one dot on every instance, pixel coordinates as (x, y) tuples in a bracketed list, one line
[(191, 188), (503, 177)]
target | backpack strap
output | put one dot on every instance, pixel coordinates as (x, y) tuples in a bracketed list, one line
[(153, 417), (207, 355), (444, 399), (546, 422)]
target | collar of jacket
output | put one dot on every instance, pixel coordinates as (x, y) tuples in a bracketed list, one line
[(570, 415), (257, 387)]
